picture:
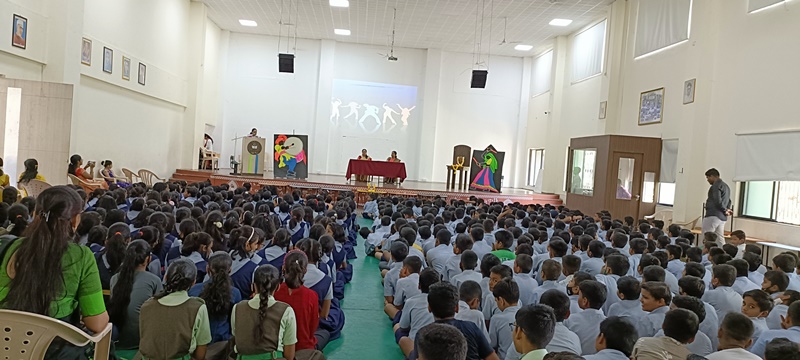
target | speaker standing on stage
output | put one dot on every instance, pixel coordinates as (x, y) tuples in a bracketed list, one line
[(254, 132)]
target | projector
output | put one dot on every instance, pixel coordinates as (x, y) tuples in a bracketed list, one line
[(392, 58)]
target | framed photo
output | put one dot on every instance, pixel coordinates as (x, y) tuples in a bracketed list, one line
[(86, 52), (651, 106), (126, 68), (689, 86), (19, 37), (108, 60), (603, 106), (142, 73)]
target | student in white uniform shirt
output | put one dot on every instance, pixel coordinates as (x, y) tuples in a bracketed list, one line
[(488, 304), (753, 264), (408, 234), (616, 340), (452, 266), (655, 299), (479, 245), (438, 256), (415, 312), (723, 298), (787, 263), (556, 250), (407, 286), (674, 264), (700, 344), (742, 284), (550, 271), (757, 305), (693, 286), (522, 275), (586, 324), (564, 340), (735, 336), (469, 261), (637, 249), (629, 307), (775, 283), (594, 264), (506, 294), (738, 239), (615, 267), (469, 304)]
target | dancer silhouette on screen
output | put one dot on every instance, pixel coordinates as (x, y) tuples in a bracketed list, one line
[(335, 111), (387, 113), (354, 106), (405, 113), (370, 111)]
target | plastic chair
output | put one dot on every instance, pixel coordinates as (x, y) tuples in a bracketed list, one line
[(149, 178), (85, 185), (130, 175), (689, 224), (28, 335), (34, 187), (663, 215), (210, 157)]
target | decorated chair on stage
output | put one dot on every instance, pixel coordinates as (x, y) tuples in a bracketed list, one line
[(460, 166)]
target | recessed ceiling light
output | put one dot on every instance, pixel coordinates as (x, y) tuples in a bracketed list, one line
[(523, 47), (560, 22), (248, 22), (340, 3), (343, 32)]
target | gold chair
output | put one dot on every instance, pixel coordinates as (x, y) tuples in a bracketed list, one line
[(28, 335)]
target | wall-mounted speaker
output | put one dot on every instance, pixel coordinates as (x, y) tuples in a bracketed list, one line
[(286, 63), (479, 79)]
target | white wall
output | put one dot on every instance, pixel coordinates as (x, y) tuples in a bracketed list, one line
[(25, 64)]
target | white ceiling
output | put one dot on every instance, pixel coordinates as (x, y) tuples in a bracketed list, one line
[(443, 24)]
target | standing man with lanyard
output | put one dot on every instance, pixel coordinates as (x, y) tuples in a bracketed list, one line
[(718, 206)]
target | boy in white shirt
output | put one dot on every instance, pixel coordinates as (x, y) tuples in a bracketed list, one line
[(469, 304), (407, 286), (522, 275), (469, 261), (479, 245), (756, 305), (506, 294), (551, 271), (415, 313), (452, 266), (735, 336)]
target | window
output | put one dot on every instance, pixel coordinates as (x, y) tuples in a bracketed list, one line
[(649, 187), (582, 182), (542, 74), (587, 52), (669, 172), (666, 193), (625, 178), (535, 166), (772, 200), (660, 24)]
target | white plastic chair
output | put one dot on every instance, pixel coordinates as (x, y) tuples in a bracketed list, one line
[(34, 187), (149, 178), (27, 336), (130, 175)]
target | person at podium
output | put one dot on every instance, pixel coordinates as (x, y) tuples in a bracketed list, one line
[(392, 159), (363, 156), (254, 132)]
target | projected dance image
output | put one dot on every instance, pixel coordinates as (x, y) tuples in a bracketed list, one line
[(372, 107)]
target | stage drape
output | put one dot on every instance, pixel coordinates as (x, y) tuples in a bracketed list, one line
[(376, 168)]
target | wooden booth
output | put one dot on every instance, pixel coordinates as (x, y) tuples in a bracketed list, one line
[(615, 173)]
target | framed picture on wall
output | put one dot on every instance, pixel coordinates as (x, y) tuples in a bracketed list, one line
[(603, 106), (19, 37), (86, 52), (126, 68), (142, 73), (651, 106), (689, 87), (108, 60)]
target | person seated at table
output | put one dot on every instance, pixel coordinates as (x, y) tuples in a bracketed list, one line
[(366, 157), (392, 159)]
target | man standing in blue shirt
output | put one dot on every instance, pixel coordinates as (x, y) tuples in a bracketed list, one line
[(718, 206)]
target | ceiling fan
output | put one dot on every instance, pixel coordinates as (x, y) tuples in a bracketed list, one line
[(390, 56), (505, 28)]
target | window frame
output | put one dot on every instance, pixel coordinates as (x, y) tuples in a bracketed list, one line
[(772, 209)]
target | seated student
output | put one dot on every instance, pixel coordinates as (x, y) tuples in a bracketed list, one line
[(479, 246), (586, 324), (407, 287), (791, 330), (443, 304), (297, 226), (655, 299), (276, 251), (564, 340), (304, 303), (679, 327), (699, 271), (408, 234), (757, 305), (775, 283), (438, 256), (371, 207), (331, 316), (629, 307), (786, 299), (130, 288), (109, 259), (244, 243), (615, 341), (488, 305), (506, 294), (701, 344), (469, 305), (187, 332), (196, 248), (674, 263), (638, 247), (415, 314), (594, 264), (735, 337), (723, 298), (670, 279), (398, 253), (219, 295), (452, 266), (522, 275), (573, 290), (787, 263), (503, 244), (781, 349), (742, 284), (753, 265), (557, 251), (441, 342), (534, 328), (426, 239), (615, 267), (469, 261), (570, 264), (693, 286), (551, 271)]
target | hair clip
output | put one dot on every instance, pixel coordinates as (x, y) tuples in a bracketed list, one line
[(218, 224), (46, 216), (117, 233), (19, 216)]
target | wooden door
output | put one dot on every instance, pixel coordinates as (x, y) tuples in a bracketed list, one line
[(625, 187)]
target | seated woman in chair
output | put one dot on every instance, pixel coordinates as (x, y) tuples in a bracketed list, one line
[(109, 177), (84, 172), (365, 157), (31, 172), (392, 159)]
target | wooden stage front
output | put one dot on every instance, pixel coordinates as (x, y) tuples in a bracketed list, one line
[(333, 184)]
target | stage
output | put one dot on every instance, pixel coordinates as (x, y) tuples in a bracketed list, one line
[(333, 184)]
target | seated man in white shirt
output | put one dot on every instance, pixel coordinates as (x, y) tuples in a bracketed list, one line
[(616, 340), (735, 336)]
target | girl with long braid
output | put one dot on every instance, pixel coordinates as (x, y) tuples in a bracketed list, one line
[(219, 295)]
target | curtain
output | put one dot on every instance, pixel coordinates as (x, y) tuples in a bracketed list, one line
[(661, 23), (542, 73), (767, 157), (669, 161), (587, 52), (754, 5)]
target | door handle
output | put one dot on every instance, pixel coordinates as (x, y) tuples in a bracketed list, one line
[(637, 197)]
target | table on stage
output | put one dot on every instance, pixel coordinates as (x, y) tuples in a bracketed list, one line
[(376, 168)]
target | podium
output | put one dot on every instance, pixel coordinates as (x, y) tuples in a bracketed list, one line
[(253, 155)]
